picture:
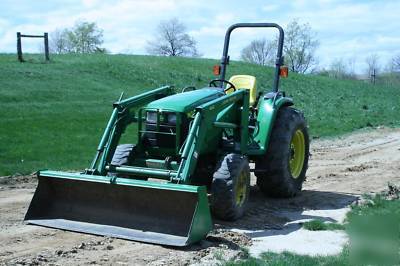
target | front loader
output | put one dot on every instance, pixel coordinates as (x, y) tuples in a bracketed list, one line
[(190, 160)]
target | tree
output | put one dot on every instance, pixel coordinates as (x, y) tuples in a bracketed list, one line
[(85, 37), (259, 52), (59, 42), (299, 47), (351, 67), (396, 63), (373, 63), (172, 40), (341, 69), (337, 69)]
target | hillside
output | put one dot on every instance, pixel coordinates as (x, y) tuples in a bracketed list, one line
[(52, 115)]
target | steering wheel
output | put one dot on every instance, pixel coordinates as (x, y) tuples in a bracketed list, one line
[(213, 83)]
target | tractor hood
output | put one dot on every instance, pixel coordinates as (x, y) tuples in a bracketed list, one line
[(186, 101)]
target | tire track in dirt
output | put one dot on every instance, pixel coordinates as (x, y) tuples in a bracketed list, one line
[(359, 163)]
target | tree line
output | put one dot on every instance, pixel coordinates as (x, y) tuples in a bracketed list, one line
[(374, 69), (298, 50), (172, 39)]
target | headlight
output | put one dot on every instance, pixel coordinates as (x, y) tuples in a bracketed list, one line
[(171, 119), (151, 117)]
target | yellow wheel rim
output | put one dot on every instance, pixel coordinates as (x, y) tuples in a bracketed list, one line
[(241, 189), (297, 153)]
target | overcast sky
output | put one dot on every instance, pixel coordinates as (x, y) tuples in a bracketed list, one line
[(348, 29)]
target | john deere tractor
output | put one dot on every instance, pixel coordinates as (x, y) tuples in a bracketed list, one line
[(190, 161)]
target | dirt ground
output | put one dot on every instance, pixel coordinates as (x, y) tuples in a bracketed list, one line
[(340, 170)]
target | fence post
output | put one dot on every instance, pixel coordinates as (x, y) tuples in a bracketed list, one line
[(46, 46), (19, 47), (373, 76)]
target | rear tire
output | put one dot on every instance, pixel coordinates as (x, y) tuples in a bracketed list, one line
[(282, 170), (230, 187)]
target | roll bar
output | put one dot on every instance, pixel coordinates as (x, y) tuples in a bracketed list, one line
[(279, 57)]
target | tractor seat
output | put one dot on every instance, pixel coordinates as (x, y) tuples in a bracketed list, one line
[(245, 82)]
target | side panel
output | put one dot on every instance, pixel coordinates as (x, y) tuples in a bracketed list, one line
[(267, 111), (213, 136)]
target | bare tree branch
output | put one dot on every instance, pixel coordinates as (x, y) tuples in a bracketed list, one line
[(396, 63), (59, 42), (338, 69), (372, 63), (172, 40), (299, 48), (341, 68), (258, 52)]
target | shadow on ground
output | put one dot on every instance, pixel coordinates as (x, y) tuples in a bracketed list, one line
[(270, 216)]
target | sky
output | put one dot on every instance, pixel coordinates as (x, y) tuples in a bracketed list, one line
[(346, 29)]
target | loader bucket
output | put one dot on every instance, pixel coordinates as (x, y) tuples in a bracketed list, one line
[(161, 213)]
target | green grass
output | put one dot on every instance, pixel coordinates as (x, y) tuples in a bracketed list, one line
[(374, 230), (289, 259), (52, 115), (374, 233), (319, 225)]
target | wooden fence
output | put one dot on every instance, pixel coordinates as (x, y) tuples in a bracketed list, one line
[(45, 36)]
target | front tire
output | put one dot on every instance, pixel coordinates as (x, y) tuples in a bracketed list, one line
[(230, 187), (282, 170), (123, 156)]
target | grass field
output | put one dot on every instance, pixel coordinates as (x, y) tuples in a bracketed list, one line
[(52, 115)]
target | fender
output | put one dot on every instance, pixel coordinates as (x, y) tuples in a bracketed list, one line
[(268, 108)]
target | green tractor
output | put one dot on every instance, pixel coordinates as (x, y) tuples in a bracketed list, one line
[(191, 160)]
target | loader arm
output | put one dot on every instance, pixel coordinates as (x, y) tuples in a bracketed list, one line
[(120, 118), (95, 203), (205, 121), (208, 119)]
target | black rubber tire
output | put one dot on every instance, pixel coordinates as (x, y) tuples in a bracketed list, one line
[(274, 177), (223, 194), (123, 154)]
